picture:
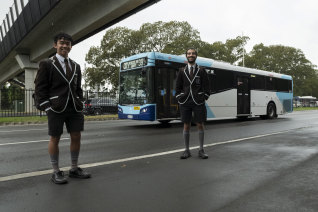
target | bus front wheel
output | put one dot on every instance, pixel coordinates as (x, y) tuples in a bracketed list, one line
[(271, 111), (164, 121)]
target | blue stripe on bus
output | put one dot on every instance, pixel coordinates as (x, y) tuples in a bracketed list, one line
[(210, 114), (286, 77), (143, 112), (287, 100), (152, 56)]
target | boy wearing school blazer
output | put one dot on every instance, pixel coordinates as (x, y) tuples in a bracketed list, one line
[(58, 88), (192, 90)]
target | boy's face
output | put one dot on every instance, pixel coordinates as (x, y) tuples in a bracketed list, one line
[(191, 56), (63, 47)]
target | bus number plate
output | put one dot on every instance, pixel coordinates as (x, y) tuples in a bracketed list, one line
[(130, 116), (136, 108)]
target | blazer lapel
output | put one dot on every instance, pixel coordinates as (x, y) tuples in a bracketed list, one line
[(187, 73), (73, 66), (196, 71), (58, 67)]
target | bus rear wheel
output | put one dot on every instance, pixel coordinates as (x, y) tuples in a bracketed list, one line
[(271, 111)]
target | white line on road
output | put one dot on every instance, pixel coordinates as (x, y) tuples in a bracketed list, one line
[(44, 172), (28, 142)]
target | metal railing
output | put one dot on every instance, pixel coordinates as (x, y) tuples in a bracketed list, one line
[(14, 11), (19, 102), (22, 16)]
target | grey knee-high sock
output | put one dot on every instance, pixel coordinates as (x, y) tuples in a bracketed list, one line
[(201, 138), (186, 138), (74, 159), (55, 162)]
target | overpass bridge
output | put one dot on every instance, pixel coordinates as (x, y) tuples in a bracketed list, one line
[(27, 32)]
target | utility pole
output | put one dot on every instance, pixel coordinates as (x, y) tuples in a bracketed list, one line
[(243, 51)]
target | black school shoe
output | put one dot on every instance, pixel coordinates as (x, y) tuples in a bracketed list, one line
[(186, 154), (78, 173), (58, 177), (202, 154)]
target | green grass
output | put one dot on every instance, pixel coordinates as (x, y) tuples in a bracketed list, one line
[(38, 119), (23, 119), (110, 116), (305, 108)]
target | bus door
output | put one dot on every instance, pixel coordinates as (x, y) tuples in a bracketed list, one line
[(243, 96), (165, 80)]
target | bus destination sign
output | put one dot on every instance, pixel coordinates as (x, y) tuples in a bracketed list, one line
[(134, 64)]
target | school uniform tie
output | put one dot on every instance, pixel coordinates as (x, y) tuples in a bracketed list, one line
[(191, 72), (68, 69)]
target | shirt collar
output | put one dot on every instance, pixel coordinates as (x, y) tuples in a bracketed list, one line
[(60, 58), (189, 66)]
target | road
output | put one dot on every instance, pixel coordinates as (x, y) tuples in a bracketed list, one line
[(253, 165)]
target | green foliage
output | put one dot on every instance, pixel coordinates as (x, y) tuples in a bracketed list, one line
[(175, 37), (170, 37), (231, 51), (286, 60)]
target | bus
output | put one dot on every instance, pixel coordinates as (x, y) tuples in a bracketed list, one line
[(147, 89)]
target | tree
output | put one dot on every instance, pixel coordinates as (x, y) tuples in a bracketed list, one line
[(171, 37), (231, 51), (285, 60), (116, 44)]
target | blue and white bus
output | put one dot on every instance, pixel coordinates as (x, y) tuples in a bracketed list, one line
[(147, 89)]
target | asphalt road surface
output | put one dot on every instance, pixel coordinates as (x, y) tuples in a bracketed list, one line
[(254, 165)]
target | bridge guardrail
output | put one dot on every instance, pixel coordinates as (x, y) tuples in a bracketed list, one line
[(23, 15)]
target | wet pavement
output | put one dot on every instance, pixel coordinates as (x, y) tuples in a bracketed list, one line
[(254, 165)]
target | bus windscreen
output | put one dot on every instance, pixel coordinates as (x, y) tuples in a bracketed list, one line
[(134, 87)]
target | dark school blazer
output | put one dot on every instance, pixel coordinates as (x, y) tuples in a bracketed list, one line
[(54, 89), (197, 88)]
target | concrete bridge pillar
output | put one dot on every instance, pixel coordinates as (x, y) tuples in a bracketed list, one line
[(1, 87), (30, 74), (30, 70)]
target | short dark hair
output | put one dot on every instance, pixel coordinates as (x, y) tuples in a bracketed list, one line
[(63, 35), (196, 52)]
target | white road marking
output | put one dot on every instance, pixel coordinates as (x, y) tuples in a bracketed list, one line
[(90, 165), (28, 142)]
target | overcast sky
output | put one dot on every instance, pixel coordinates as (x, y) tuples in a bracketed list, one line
[(291, 23)]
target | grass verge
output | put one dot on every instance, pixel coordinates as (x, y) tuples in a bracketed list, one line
[(305, 108), (39, 119)]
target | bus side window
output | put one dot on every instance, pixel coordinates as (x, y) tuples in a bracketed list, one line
[(212, 80), (258, 82), (223, 80), (269, 84)]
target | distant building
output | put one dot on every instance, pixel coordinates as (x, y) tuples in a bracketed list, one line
[(305, 101)]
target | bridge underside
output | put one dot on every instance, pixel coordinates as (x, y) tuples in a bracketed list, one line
[(79, 18)]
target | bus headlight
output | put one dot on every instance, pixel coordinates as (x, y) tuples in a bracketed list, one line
[(143, 110), (120, 109)]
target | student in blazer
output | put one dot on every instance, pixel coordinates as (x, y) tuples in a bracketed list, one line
[(55, 89), (197, 88), (58, 88), (192, 90)]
